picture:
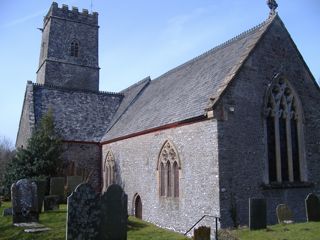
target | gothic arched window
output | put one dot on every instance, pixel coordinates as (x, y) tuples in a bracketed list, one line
[(283, 118), (168, 168), (108, 168), (74, 49)]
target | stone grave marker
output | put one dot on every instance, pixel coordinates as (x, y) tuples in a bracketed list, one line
[(57, 187), (114, 213), (41, 188), (312, 203), (7, 212), (284, 214), (257, 213), (51, 202), (24, 201), (72, 183), (83, 218), (202, 233)]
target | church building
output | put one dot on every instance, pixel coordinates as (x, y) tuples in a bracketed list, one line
[(239, 121)]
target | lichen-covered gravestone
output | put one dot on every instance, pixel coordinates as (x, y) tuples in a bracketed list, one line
[(313, 208), (284, 214), (257, 213), (57, 187), (24, 201), (202, 233), (83, 219), (114, 213)]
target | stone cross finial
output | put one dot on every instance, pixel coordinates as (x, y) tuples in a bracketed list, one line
[(273, 6)]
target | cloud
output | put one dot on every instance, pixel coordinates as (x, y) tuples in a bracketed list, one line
[(23, 19)]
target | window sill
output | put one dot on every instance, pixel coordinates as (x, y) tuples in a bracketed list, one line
[(286, 185)]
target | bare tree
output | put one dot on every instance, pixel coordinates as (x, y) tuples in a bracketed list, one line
[(6, 153)]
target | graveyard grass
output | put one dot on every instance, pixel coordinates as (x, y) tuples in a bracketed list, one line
[(140, 230)]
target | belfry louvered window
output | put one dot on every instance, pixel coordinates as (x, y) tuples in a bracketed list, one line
[(74, 49), (283, 118), (109, 169), (168, 169)]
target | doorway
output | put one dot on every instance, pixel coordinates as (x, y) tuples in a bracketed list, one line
[(138, 207)]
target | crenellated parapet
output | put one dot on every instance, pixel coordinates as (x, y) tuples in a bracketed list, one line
[(72, 14)]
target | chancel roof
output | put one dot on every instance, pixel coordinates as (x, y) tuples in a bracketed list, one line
[(188, 90)]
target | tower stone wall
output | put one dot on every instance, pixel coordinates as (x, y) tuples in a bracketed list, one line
[(69, 49)]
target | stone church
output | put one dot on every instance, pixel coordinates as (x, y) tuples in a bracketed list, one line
[(237, 122)]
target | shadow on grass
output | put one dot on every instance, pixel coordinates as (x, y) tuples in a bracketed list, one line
[(136, 226)]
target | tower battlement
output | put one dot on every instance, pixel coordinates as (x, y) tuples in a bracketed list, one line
[(72, 14)]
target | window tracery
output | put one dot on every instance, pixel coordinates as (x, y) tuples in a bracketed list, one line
[(283, 118), (168, 167), (109, 169), (74, 49)]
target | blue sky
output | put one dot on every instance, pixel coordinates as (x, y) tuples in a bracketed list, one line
[(141, 38)]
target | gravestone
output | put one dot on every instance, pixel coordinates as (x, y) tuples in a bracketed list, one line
[(83, 218), (312, 208), (51, 202), (7, 212), (57, 187), (257, 213), (284, 214), (72, 183), (41, 188), (114, 213), (24, 201), (202, 233)]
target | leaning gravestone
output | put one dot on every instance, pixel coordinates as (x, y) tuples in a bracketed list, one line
[(284, 214), (257, 213), (114, 213), (312, 208), (72, 183), (57, 187), (83, 218), (24, 201), (202, 233)]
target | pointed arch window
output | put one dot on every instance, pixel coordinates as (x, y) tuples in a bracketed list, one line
[(283, 120), (168, 168), (109, 169), (74, 48)]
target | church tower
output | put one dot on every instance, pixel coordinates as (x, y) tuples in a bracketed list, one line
[(69, 49)]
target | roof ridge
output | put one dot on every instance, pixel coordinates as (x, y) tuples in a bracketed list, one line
[(75, 89), (221, 46), (136, 84)]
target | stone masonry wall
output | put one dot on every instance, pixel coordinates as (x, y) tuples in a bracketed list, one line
[(136, 163), (27, 119), (85, 156), (242, 137)]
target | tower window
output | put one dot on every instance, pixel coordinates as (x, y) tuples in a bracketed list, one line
[(74, 50), (283, 118), (168, 167)]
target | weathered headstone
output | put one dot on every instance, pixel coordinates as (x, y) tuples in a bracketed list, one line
[(83, 219), (51, 202), (7, 212), (202, 233), (257, 213), (41, 188), (114, 213), (57, 187), (72, 183), (24, 201), (284, 214), (312, 208)]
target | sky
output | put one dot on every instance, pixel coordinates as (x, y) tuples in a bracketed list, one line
[(140, 38)]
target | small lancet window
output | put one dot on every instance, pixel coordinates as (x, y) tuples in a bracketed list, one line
[(168, 167), (74, 49), (283, 121), (109, 169)]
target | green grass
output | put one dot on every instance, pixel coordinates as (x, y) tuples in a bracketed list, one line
[(297, 231), (137, 229)]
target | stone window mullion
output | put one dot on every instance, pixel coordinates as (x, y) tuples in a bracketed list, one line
[(277, 146), (289, 147)]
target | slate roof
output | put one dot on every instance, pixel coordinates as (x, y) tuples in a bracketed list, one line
[(185, 91), (78, 115)]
